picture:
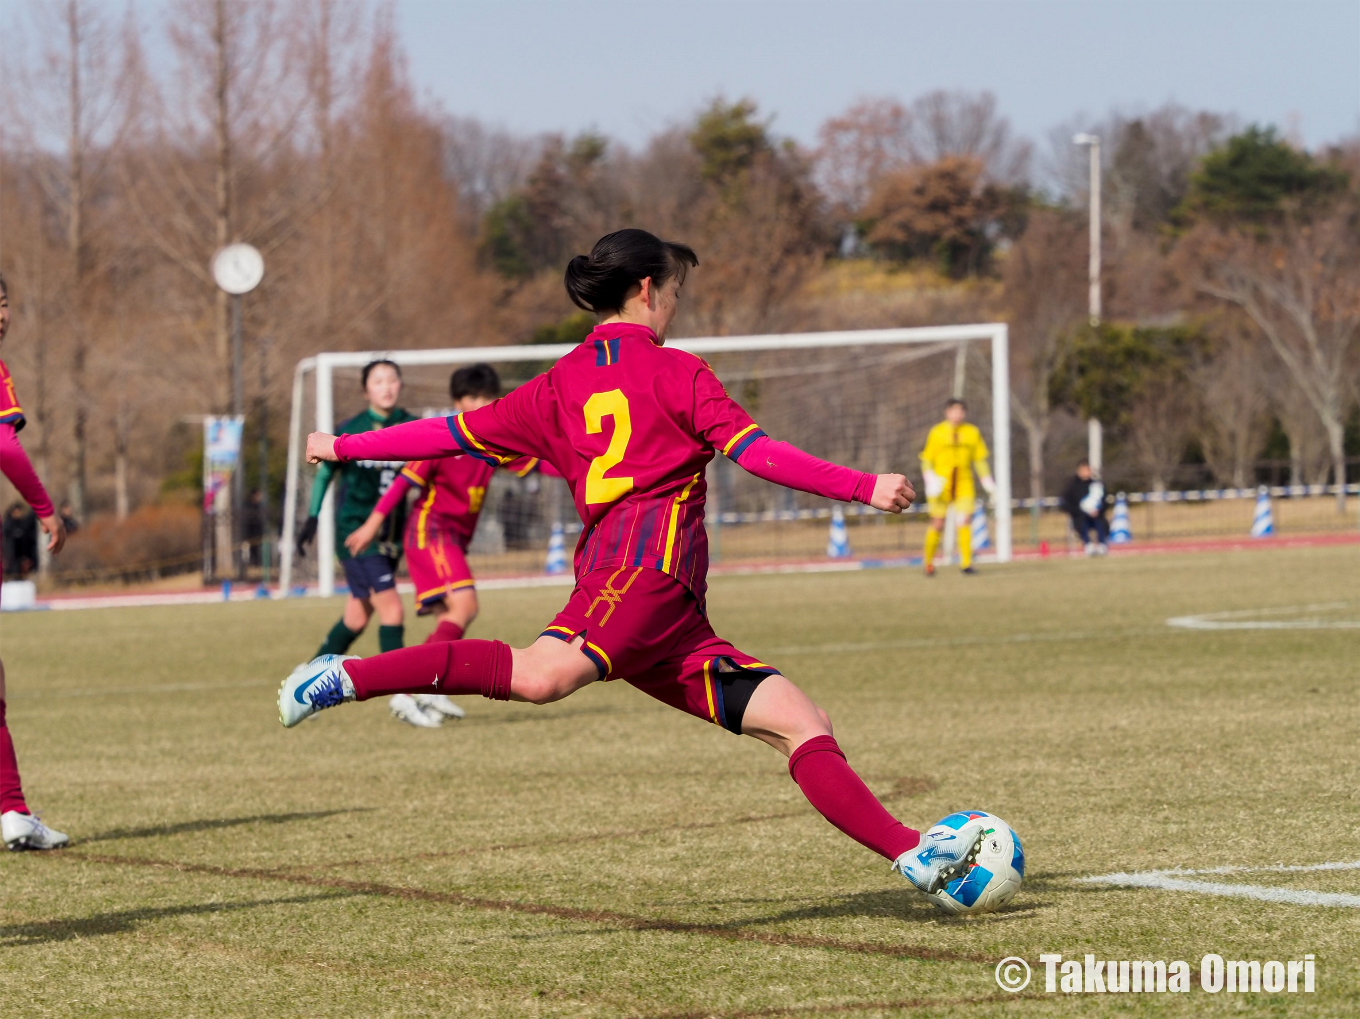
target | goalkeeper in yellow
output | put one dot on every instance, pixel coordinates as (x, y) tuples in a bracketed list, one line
[(954, 451)]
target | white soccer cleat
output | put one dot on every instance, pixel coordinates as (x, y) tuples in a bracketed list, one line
[(439, 704), (320, 683), (25, 831), (405, 709), (940, 857)]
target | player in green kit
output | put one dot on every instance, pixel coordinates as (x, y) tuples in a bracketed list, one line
[(372, 572)]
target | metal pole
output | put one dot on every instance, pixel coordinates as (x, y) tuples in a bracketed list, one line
[(238, 408), (290, 489), (1001, 439), (265, 533), (1095, 435), (325, 525)]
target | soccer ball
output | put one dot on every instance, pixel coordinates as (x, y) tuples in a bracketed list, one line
[(993, 875)]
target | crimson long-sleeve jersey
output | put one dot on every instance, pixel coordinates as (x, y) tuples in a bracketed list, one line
[(631, 425), (14, 462)]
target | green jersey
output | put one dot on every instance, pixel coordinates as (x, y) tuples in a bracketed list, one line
[(362, 484)]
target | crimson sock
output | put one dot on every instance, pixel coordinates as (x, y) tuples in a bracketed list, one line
[(11, 791), (452, 667), (831, 785), (446, 630)]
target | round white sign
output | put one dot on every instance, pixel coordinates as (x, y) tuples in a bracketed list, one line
[(238, 268)]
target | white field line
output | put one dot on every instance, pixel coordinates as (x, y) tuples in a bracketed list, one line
[(1242, 619), (1175, 881)]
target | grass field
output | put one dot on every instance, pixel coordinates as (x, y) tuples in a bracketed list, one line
[(606, 856)]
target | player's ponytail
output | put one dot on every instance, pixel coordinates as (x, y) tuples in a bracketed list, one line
[(600, 281)]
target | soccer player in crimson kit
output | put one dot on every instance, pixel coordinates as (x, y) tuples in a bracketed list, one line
[(452, 492), (19, 827), (632, 425)]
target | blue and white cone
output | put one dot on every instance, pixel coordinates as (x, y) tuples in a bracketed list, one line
[(838, 542), (1120, 531), (982, 537), (557, 552), (1262, 521)]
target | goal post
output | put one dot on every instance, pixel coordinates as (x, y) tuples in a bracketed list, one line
[(860, 397)]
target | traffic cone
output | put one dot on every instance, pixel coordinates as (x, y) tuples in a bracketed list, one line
[(838, 542), (1262, 521), (1120, 531), (557, 552), (982, 538)]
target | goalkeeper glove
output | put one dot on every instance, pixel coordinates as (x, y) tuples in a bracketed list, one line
[(306, 533), (934, 484)]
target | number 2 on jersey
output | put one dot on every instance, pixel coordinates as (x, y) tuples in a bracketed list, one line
[(600, 489)]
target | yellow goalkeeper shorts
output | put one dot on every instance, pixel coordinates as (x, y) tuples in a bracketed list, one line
[(940, 506)]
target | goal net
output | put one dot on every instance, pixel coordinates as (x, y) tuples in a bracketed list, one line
[(863, 398)]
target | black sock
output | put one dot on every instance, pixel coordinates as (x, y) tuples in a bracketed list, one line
[(337, 642), (391, 637)]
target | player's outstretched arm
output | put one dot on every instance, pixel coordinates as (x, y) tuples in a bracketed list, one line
[(427, 439), (15, 465), (787, 465)]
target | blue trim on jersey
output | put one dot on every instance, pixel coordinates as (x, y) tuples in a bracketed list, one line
[(466, 446), (746, 441), (606, 352), (599, 662)]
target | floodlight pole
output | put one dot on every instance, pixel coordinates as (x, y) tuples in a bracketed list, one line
[(1094, 432)]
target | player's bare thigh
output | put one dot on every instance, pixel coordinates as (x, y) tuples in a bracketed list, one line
[(550, 669), (2, 680), (457, 607), (783, 716)]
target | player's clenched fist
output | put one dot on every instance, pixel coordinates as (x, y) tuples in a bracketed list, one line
[(321, 446), (892, 492)]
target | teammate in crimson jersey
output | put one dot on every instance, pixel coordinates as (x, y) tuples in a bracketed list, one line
[(450, 494), (632, 425), (20, 829)]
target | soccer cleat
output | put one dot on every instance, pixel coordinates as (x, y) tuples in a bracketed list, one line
[(1091, 549), (968, 571), (439, 704), (930, 569), (320, 683), (25, 831), (940, 857), (406, 709)]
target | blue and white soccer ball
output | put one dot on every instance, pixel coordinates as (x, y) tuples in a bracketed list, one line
[(995, 873)]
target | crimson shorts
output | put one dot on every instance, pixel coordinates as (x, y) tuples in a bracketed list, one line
[(644, 626), (438, 567)]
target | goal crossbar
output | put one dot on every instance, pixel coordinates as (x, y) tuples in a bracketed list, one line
[(322, 367)]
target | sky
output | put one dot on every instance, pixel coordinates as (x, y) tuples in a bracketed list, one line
[(629, 68)]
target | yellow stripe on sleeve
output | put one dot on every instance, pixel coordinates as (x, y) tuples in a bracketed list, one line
[(737, 438), (467, 433)]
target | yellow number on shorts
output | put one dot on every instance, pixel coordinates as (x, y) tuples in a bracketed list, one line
[(600, 489)]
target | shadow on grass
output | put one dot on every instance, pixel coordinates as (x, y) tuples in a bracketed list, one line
[(902, 905), (123, 921), (216, 823)]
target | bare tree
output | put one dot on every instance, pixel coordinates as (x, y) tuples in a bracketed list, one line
[(74, 94), (1234, 384), (855, 149), (968, 125), (1299, 282), (1044, 277)]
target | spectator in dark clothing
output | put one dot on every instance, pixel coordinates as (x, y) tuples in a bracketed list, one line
[(68, 518), (252, 525), (1086, 503), (20, 541)]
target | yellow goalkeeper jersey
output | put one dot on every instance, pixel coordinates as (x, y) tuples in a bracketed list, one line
[(954, 452)]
